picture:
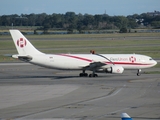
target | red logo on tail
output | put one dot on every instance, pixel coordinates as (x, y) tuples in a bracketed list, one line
[(21, 42)]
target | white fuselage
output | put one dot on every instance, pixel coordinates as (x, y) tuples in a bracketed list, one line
[(78, 61), (109, 63)]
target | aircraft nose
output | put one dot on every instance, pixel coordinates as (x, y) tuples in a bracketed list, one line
[(155, 62)]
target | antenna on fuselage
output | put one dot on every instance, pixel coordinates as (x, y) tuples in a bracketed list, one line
[(92, 51)]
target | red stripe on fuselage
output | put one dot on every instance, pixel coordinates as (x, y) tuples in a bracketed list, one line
[(80, 58), (126, 63), (116, 63)]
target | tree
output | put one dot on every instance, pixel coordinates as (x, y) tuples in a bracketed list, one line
[(132, 23), (88, 21), (98, 19), (123, 30), (46, 24), (40, 18), (155, 24), (71, 21)]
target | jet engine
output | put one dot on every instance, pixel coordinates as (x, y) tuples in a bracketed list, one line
[(114, 69)]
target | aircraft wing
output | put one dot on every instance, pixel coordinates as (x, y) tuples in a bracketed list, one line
[(94, 65), (97, 64)]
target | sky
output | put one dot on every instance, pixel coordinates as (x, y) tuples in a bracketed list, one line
[(111, 7)]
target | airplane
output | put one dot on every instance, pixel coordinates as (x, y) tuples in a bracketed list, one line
[(125, 116), (105, 63)]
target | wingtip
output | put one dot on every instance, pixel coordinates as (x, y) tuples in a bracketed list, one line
[(125, 116)]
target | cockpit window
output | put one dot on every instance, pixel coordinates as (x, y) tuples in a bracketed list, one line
[(150, 59)]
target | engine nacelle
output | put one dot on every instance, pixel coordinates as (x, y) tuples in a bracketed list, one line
[(114, 69)]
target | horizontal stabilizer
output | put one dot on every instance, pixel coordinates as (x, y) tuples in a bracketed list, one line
[(23, 58)]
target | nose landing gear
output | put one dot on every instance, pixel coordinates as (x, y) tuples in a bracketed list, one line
[(139, 72)]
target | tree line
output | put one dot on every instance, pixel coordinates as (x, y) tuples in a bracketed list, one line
[(71, 21)]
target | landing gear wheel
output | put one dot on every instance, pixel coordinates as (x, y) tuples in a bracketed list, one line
[(90, 75), (139, 72), (83, 75), (93, 75)]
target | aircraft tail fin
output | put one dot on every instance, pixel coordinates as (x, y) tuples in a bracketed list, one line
[(125, 116), (23, 46)]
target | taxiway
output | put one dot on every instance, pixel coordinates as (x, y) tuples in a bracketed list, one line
[(31, 92)]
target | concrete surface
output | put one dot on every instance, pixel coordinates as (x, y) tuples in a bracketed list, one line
[(34, 93)]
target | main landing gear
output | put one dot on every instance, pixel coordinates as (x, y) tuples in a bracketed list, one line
[(93, 75), (139, 72), (83, 74)]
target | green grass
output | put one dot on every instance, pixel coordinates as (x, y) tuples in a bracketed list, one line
[(152, 72), (83, 43)]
